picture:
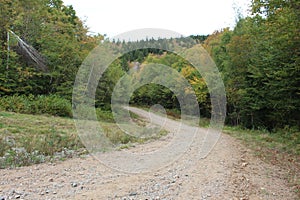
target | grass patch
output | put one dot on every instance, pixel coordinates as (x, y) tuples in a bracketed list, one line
[(30, 139), (281, 148), (283, 141), (85, 113)]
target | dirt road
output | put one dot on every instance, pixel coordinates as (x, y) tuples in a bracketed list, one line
[(230, 171)]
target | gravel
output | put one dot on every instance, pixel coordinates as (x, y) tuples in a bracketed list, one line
[(229, 172)]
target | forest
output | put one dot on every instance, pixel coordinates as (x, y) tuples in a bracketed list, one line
[(258, 61)]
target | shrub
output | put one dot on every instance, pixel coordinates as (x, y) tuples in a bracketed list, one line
[(52, 105), (104, 115)]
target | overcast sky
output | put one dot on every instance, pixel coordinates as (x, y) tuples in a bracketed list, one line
[(187, 17)]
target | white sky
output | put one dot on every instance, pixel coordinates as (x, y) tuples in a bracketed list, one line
[(197, 17)]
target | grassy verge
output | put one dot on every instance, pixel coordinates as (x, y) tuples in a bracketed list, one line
[(27, 139), (281, 148)]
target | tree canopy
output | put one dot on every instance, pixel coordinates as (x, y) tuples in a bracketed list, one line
[(258, 60)]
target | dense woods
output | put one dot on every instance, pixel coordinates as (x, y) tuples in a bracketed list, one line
[(258, 60), (55, 32)]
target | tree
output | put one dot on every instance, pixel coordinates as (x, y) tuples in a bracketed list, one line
[(55, 32), (259, 61)]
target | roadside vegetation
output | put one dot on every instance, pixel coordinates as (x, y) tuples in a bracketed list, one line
[(258, 61), (31, 139), (280, 147), (27, 139)]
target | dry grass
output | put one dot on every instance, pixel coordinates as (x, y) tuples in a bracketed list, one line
[(29, 139)]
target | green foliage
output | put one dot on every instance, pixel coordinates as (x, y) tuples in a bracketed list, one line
[(259, 61), (52, 105), (157, 94), (56, 33), (107, 83), (101, 115), (151, 94), (284, 140)]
